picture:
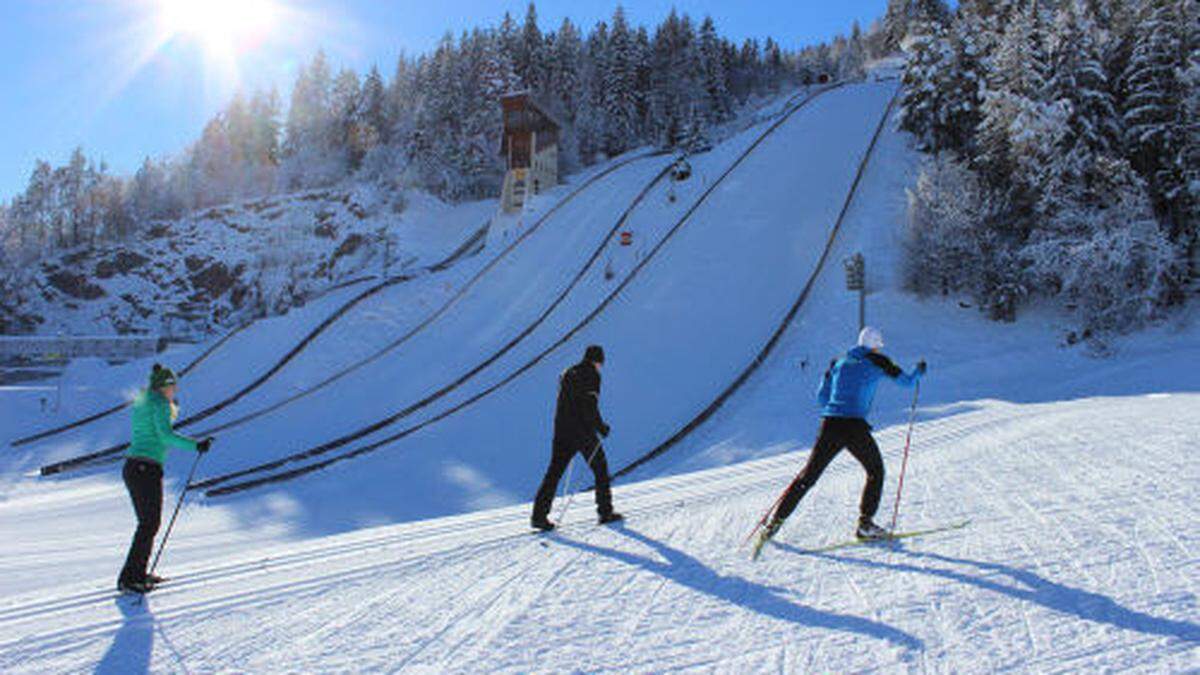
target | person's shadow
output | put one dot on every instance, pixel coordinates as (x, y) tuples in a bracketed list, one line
[(1027, 586), (131, 646), (687, 571)]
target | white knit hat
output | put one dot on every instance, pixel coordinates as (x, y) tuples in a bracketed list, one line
[(871, 338)]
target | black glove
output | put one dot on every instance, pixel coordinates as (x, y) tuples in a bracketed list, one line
[(203, 446), (604, 429), (922, 367)]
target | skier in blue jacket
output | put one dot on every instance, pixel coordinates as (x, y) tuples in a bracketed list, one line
[(845, 396)]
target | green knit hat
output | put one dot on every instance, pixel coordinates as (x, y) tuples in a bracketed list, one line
[(161, 377)]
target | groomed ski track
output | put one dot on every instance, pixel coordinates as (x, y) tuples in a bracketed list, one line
[(1063, 577)]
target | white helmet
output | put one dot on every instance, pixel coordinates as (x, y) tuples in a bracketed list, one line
[(871, 338)]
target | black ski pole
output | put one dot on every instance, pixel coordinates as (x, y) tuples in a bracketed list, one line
[(178, 504)]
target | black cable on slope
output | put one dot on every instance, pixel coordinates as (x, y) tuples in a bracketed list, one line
[(471, 246), (88, 458), (41, 435), (475, 370), (91, 458), (293, 473), (763, 353), (121, 406)]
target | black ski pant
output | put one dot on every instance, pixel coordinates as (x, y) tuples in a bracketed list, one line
[(143, 479), (560, 459), (836, 433)]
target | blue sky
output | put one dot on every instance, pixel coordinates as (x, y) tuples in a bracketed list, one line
[(82, 72)]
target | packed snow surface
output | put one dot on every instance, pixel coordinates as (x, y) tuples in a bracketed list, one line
[(1081, 556)]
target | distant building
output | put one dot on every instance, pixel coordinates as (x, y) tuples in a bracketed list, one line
[(529, 147)]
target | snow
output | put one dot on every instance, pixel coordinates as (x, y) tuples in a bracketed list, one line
[(1052, 574), (1074, 470)]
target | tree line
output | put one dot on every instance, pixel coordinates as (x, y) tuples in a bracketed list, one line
[(1064, 153), (436, 123)]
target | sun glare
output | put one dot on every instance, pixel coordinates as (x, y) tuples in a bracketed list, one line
[(222, 27)]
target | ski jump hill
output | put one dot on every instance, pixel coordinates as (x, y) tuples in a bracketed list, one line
[(365, 506)]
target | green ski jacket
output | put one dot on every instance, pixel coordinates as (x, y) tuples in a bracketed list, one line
[(152, 433)]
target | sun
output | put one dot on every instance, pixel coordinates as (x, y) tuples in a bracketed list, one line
[(222, 27)]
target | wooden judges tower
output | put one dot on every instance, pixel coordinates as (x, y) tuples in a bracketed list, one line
[(529, 147)]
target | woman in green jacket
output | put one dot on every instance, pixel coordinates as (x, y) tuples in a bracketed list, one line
[(154, 411)]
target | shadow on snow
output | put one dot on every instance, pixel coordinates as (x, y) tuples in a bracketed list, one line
[(689, 572), (1026, 586)]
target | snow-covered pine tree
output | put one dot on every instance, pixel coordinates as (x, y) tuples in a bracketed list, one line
[(590, 118), (529, 60), (1009, 134), (563, 93), (675, 79), (1078, 76), (147, 191), (949, 244), (564, 70), (311, 128), (643, 49), (620, 87), (901, 14), (1111, 260), (1151, 109), (695, 140), (509, 35), (930, 60), (401, 100), (1091, 138), (345, 110), (718, 106), (213, 165), (437, 141), (1187, 203), (372, 113), (265, 114), (775, 65), (309, 112), (853, 59), (941, 98)]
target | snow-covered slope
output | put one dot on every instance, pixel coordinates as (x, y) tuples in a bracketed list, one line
[(219, 267), (1081, 557), (1075, 472), (676, 334)]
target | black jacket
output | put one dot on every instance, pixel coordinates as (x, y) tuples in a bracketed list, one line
[(577, 417)]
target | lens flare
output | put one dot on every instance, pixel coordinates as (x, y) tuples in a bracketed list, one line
[(222, 27)]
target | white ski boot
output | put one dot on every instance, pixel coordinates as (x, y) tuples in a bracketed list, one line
[(869, 531)]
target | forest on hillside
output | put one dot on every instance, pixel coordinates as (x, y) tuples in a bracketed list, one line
[(435, 123), (1064, 154)]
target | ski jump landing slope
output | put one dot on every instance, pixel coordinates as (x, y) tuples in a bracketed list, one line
[(488, 315), (1081, 558), (676, 335), (657, 213), (363, 334)]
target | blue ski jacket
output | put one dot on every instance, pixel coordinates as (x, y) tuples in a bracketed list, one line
[(848, 387)]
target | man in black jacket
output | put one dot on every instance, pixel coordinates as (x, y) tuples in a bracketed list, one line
[(577, 421)]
